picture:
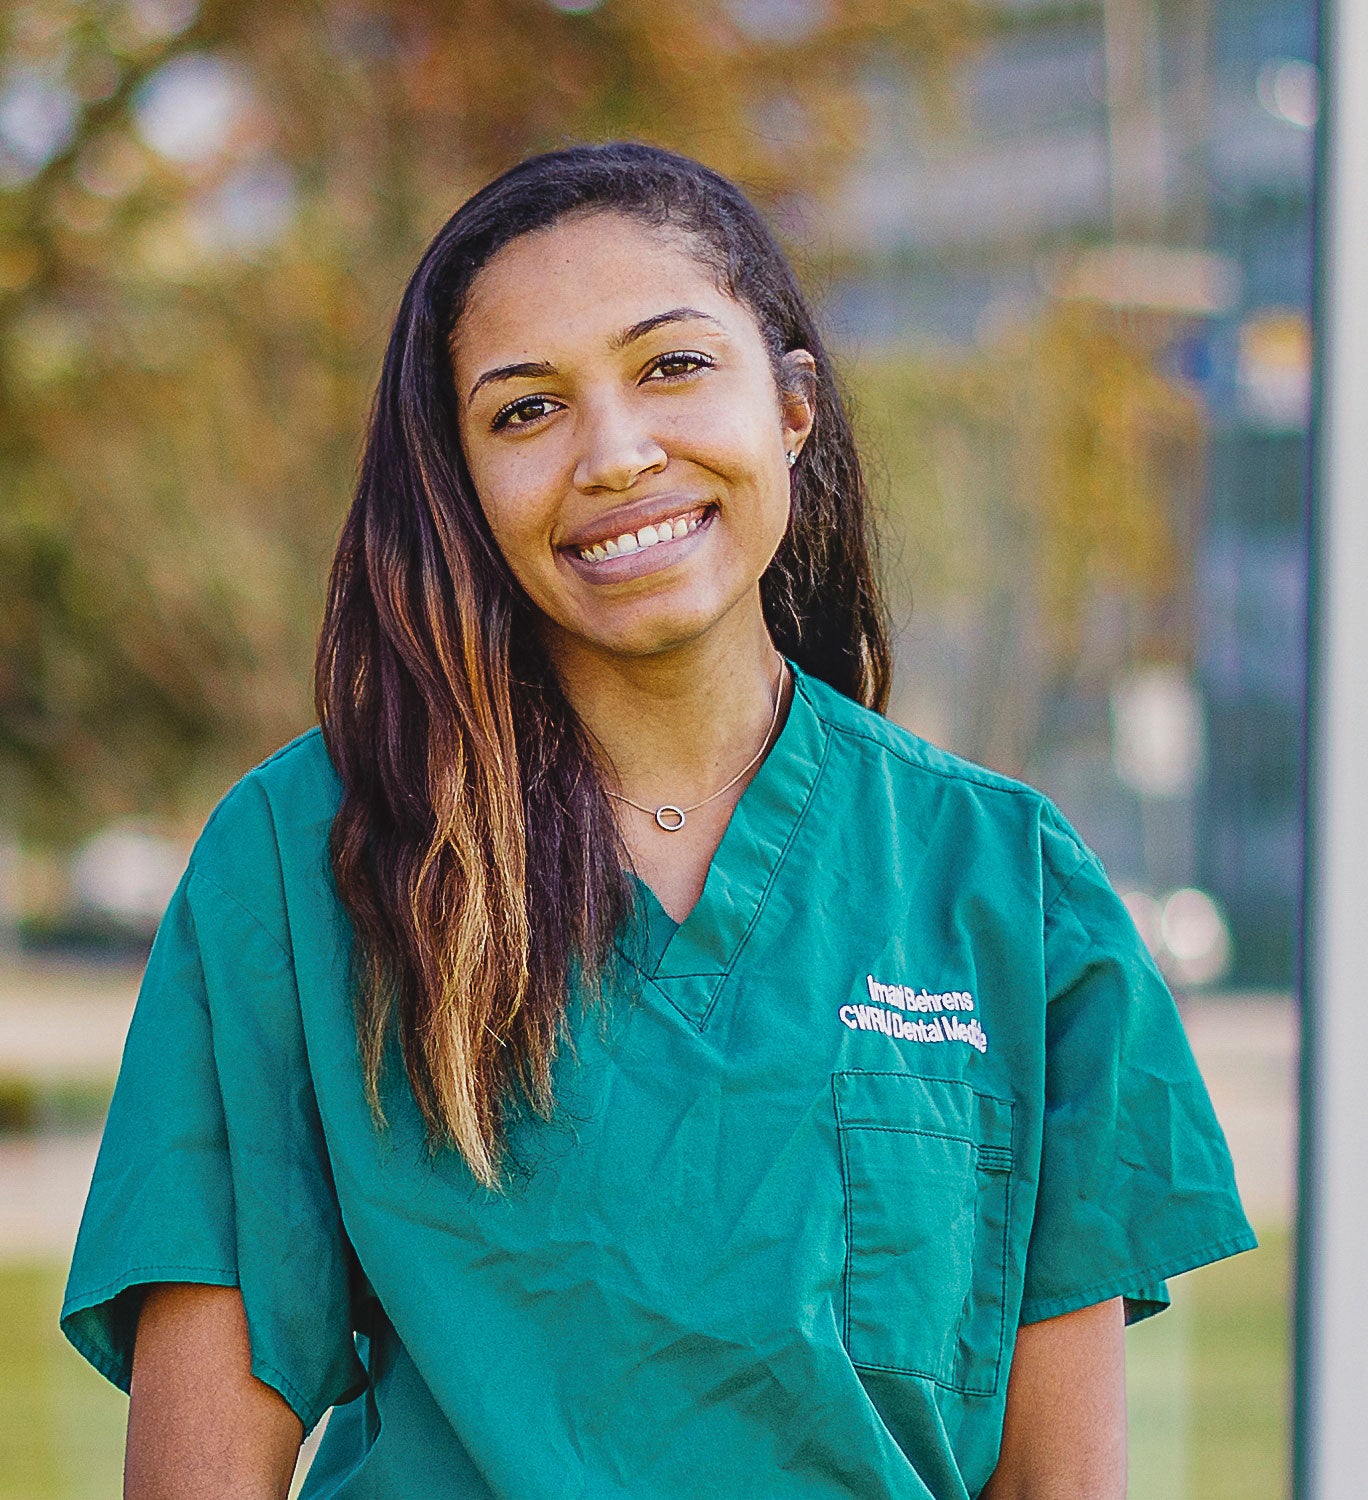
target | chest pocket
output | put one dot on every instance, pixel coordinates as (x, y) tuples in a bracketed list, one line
[(927, 1166)]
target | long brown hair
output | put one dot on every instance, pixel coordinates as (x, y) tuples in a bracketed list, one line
[(474, 848)]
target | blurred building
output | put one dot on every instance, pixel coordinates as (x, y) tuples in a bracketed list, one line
[(1140, 124), (1253, 563)]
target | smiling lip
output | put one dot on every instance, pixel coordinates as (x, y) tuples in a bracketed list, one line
[(638, 539), (633, 528), (627, 543)]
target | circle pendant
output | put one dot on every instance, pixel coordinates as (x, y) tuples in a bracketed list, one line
[(670, 818)]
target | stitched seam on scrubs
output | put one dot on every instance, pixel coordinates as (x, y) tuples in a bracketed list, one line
[(998, 1161), (117, 1368), (1083, 860), (1009, 1185), (934, 1135), (246, 910), (945, 1385), (963, 1387), (668, 998), (1015, 789), (763, 899), (125, 1281), (295, 744), (841, 1143), (303, 1409), (768, 886), (112, 1363), (938, 1078), (1126, 1283), (965, 775), (988, 1159), (627, 957)]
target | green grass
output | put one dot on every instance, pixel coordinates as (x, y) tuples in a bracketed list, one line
[(61, 1424), (1208, 1390), (1210, 1382)]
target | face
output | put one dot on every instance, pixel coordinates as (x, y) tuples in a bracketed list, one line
[(626, 434)]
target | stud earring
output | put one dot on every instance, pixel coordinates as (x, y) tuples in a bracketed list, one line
[(791, 458)]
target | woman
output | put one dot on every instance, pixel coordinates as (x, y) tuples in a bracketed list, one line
[(607, 1057)]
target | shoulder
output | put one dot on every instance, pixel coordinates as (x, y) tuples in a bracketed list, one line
[(273, 821), (926, 780), (877, 738)]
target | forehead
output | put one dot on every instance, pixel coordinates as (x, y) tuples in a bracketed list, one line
[(581, 281)]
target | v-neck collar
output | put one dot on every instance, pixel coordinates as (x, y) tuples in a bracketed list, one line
[(689, 961)]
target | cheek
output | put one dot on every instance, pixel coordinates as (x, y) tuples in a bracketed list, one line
[(739, 440), (518, 505), (734, 419), (748, 456)]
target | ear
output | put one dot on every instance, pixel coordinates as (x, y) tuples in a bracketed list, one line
[(797, 396)]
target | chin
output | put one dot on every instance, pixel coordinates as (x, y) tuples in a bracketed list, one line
[(655, 631)]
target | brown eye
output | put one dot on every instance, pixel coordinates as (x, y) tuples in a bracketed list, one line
[(678, 365), (523, 412)]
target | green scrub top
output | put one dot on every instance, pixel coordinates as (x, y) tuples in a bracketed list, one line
[(905, 1079)]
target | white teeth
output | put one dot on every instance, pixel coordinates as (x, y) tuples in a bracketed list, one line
[(648, 536)]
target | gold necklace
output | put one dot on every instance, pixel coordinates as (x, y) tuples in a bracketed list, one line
[(670, 818)]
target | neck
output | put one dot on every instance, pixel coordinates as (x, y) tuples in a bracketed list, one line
[(675, 724)]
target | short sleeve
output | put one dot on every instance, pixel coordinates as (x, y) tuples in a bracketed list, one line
[(1136, 1183), (213, 1167)]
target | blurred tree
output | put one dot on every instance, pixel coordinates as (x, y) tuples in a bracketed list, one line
[(207, 213), (1046, 487)]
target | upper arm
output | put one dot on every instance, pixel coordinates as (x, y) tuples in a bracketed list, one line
[(199, 1423), (214, 1167), (1134, 1183), (1064, 1433)]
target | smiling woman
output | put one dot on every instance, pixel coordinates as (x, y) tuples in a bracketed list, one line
[(645, 444), (606, 1057)]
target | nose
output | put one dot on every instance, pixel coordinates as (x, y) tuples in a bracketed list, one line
[(616, 448)]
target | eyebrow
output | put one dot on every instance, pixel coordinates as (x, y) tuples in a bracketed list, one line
[(659, 320), (540, 370)]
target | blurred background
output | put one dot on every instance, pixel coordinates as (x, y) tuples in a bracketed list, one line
[(1062, 248)]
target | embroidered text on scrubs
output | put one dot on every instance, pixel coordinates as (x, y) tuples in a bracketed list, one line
[(907, 998), (937, 1029)]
